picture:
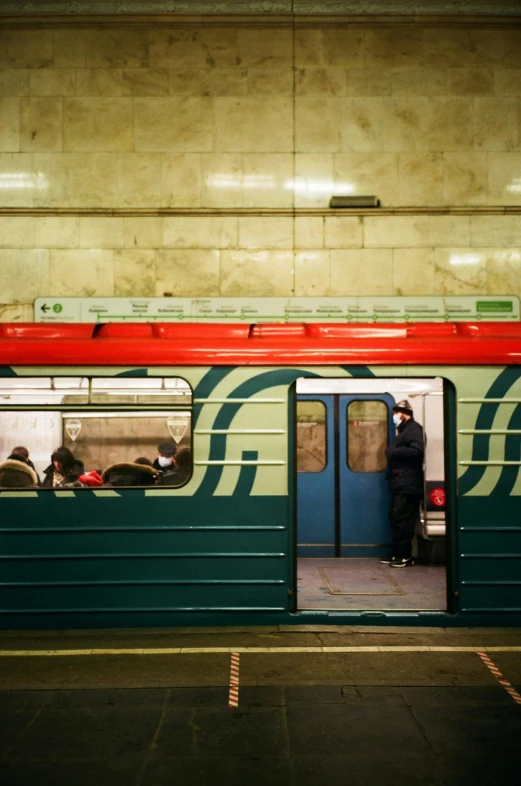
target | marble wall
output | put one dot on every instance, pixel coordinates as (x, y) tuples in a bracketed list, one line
[(200, 160)]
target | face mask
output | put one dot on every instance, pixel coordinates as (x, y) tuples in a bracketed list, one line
[(397, 419), (164, 461)]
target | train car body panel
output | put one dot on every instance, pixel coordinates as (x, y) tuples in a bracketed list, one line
[(222, 549)]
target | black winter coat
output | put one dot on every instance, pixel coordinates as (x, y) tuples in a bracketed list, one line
[(405, 460)]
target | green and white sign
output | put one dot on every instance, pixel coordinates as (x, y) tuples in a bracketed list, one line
[(278, 309)]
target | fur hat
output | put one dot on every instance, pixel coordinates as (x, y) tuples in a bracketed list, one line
[(403, 406), (17, 474), (130, 474)]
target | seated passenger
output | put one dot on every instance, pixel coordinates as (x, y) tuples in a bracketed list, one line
[(63, 470), (129, 474), (181, 470), (165, 457), (16, 474), (22, 454)]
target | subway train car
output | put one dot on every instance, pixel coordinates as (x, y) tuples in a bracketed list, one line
[(280, 513)]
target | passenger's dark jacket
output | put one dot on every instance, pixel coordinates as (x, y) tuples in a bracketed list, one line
[(405, 460), (129, 474), (71, 476)]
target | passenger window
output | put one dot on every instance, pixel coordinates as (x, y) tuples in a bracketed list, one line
[(100, 423), (311, 436), (367, 428)]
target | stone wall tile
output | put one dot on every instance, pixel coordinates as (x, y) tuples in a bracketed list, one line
[(451, 231), (503, 267), (504, 178), (267, 180), (396, 231), (264, 48), (367, 174), (139, 179), (145, 232), (465, 178), (365, 124), (241, 125), (320, 81), (181, 180), (41, 124), (145, 82), (101, 232), (265, 232), (361, 272), (495, 231), (419, 81), (309, 232), (263, 273), (512, 48), (69, 48), (200, 231), (113, 48), (14, 82), (19, 184), (220, 46), (170, 125), (93, 180), (9, 125), (269, 82), (312, 273), (221, 180), (507, 81), (318, 124), (187, 273), (99, 82), (16, 232), (470, 81), (420, 179), (449, 124), (368, 82), (176, 48), (314, 182), (52, 82), (97, 124), (459, 271), (413, 271), (343, 232), (51, 173), (18, 313), (56, 232), (496, 124), (134, 273), (81, 273), (25, 274), (26, 48)]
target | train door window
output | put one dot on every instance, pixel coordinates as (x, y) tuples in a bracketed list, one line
[(367, 429), (311, 436), (102, 422)]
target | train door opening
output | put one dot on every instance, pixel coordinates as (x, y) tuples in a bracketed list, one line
[(343, 427)]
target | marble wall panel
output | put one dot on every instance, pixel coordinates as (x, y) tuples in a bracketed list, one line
[(97, 124), (317, 124), (145, 82), (343, 232), (93, 180), (181, 180), (19, 313), (134, 273), (187, 273), (396, 231), (176, 48), (101, 232), (69, 48), (366, 174), (495, 231), (267, 180), (26, 48), (256, 125), (465, 178), (51, 173), (503, 267), (418, 81), (361, 272), (459, 271), (258, 48), (25, 274), (16, 232), (139, 179), (81, 273), (259, 232), (507, 81), (495, 124), (14, 82), (221, 180), (504, 178), (269, 82), (52, 82), (312, 272), (420, 179), (56, 232), (320, 81), (143, 232), (470, 81), (329, 47), (173, 124), (368, 82), (314, 181), (113, 48), (413, 271), (18, 180), (9, 125), (200, 232), (263, 273), (449, 231), (220, 46), (41, 124), (309, 232), (99, 82), (512, 51)]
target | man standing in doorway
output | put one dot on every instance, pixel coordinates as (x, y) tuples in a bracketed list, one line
[(405, 479)]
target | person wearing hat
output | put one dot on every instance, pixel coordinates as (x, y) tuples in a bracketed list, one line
[(165, 456), (405, 480)]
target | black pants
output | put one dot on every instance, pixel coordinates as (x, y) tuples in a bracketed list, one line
[(403, 514)]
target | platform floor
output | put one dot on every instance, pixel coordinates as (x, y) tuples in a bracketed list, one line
[(331, 705), (349, 584)]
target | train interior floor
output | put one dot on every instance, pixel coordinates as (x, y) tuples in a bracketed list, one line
[(288, 706), (361, 583)]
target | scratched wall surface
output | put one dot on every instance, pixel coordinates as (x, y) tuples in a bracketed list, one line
[(198, 157)]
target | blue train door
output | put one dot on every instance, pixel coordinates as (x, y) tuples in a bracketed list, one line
[(342, 496)]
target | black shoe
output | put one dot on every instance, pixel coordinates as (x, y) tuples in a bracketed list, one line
[(402, 563), (388, 560)]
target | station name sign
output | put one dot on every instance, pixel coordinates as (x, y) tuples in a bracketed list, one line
[(278, 309)]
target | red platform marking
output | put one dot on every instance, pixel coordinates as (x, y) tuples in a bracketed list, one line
[(502, 681), (233, 700)]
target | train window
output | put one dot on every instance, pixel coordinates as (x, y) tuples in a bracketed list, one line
[(105, 423), (367, 427), (311, 436)]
